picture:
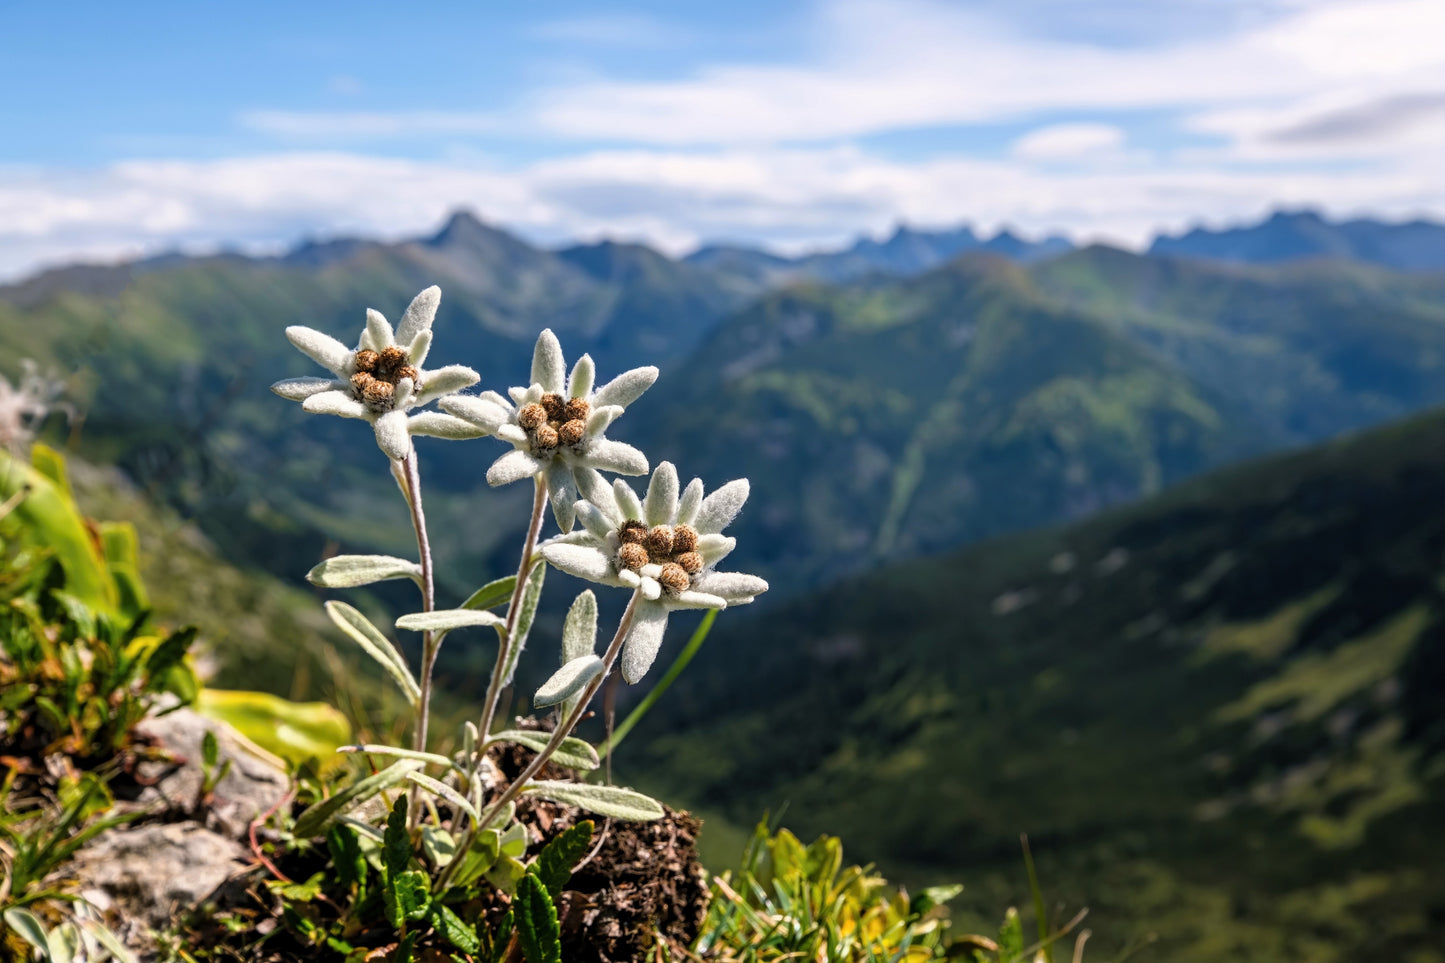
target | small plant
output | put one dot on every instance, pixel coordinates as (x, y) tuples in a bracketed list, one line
[(427, 852)]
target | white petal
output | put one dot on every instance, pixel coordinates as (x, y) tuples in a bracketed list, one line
[(691, 501), (627, 500), (596, 490), (629, 578), (402, 397), (562, 493), (626, 388), (444, 381), (579, 382), (651, 588), (650, 570), (419, 349), (419, 316), (513, 466), (593, 519), (392, 436), (644, 640), (698, 600), (439, 425), (515, 435), (721, 507), (583, 561), (519, 395), (479, 410), (378, 331), (549, 369), (336, 403), (614, 456), (714, 548), (600, 418), (661, 505), (321, 348), (299, 389), (733, 586), (496, 399)]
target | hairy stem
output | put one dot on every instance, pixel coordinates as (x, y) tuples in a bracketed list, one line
[(514, 610), (410, 478)]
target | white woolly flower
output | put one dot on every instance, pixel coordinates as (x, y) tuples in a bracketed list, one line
[(665, 545), (382, 378), (557, 427)]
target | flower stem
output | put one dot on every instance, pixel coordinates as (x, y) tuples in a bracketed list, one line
[(565, 728), (514, 610), (410, 477)]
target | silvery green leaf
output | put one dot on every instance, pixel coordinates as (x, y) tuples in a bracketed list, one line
[(419, 315), (531, 596), (600, 418), (318, 815), (439, 845), (690, 502), (481, 411), (699, 600), (627, 501), (626, 388), (336, 402), (721, 507), (349, 571), (376, 645), (733, 586), (562, 493), (321, 348), (579, 632), (377, 750), (572, 753), (582, 561), (611, 801), (26, 925), (470, 737), (299, 389), (598, 491), (592, 519), (378, 331), (568, 681), (579, 383), (445, 620), (660, 507), (714, 548), (110, 942), (420, 348), (63, 943), (439, 425), (614, 456), (446, 792), (644, 640), (392, 436), (513, 466), (548, 365), (444, 381), (492, 594)]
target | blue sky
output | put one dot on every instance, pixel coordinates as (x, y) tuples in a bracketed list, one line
[(143, 127)]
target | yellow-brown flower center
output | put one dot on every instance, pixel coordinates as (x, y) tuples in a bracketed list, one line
[(552, 422), (673, 548), (377, 375)]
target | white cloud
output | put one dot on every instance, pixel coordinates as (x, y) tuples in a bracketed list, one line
[(370, 125), (1069, 142)]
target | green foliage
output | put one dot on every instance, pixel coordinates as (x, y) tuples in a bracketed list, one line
[(553, 866), (538, 931), (298, 732)]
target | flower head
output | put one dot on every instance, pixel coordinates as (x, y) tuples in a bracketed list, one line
[(382, 378), (557, 426), (664, 545)]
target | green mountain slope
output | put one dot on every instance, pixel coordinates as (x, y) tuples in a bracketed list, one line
[(1218, 713)]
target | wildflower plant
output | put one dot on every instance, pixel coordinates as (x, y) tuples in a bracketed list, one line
[(446, 824)]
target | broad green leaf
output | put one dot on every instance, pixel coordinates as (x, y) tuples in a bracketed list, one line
[(413, 894), (51, 519), (568, 681), (27, 926), (526, 613), (446, 792), (350, 571), (440, 846), (446, 620), (451, 927), (537, 927), (295, 731), (492, 594), (611, 801), (315, 818), (376, 645), (554, 863), (505, 872), (514, 840), (573, 753), (486, 847)]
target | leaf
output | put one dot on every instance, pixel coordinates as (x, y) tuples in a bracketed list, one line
[(376, 645), (315, 818), (210, 752), (440, 846), (579, 639), (64, 943), (168, 655), (505, 873), (567, 682), (537, 929), (554, 863), (451, 927), (350, 571), (297, 892), (480, 858), (396, 842), (446, 792), (446, 620), (492, 594), (412, 892), (611, 801), (27, 926), (295, 731), (345, 849), (531, 595), (372, 749), (573, 753)]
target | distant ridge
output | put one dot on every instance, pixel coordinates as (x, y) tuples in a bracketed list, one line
[(1417, 245)]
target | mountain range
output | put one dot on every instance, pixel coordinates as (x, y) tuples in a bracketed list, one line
[(1417, 245)]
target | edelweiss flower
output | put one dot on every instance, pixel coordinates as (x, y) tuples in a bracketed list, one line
[(664, 546), (383, 378), (558, 428)]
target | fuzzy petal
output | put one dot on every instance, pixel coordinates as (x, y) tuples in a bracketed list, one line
[(335, 403), (721, 507), (693, 599), (444, 381), (714, 548), (579, 382), (660, 507), (438, 425), (379, 335), (733, 586), (419, 316), (629, 579), (614, 456), (479, 410), (515, 435), (690, 502), (651, 588), (600, 418), (593, 519), (626, 388), (562, 493), (644, 641), (519, 395), (582, 561), (549, 368), (419, 349), (402, 396), (513, 466), (392, 436), (627, 500), (596, 490), (299, 389), (321, 348)]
